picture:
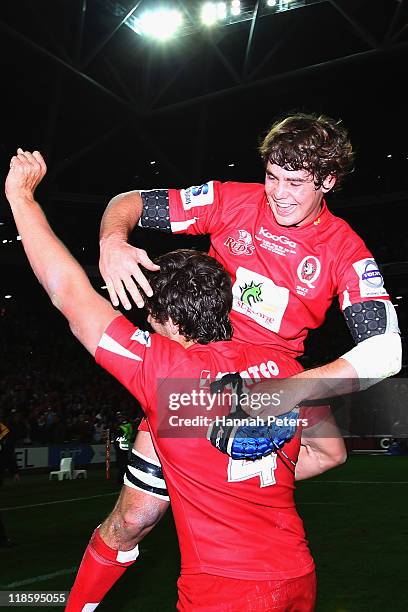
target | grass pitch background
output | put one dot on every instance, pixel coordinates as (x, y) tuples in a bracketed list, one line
[(356, 520)]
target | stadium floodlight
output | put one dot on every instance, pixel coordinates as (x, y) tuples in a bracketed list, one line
[(160, 24), (235, 8), (209, 13), (221, 10)]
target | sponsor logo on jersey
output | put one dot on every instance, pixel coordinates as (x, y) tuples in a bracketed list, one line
[(371, 282), (143, 337), (371, 275), (308, 270), (251, 293), (255, 373), (241, 245), (280, 245), (198, 195), (259, 298)]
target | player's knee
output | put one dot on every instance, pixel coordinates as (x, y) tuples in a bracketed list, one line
[(138, 518)]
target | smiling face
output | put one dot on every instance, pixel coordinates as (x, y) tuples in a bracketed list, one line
[(292, 195)]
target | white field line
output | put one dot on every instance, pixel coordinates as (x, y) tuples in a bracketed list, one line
[(19, 583), (44, 577), (60, 501), (374, 482), (71, 570)]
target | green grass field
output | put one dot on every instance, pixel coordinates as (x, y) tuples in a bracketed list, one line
[(356, 519)]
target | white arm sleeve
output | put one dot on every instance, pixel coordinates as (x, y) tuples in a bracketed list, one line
[(376, 358)]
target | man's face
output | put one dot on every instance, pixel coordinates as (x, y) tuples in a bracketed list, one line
[(292, 195)]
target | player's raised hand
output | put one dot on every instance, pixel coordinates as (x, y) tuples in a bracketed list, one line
[(119, 264), (26, 172)]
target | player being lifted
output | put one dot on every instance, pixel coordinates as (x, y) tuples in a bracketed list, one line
[(242, 542), (288, 257)]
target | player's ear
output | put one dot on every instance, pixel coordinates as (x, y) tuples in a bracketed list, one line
[(173, 327), (328, 183)]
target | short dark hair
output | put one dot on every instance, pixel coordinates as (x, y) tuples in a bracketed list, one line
[(315, 143), (195, 291)]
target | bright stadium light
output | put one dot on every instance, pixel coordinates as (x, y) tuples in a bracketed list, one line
[(221, 10), (209, 13), (235, 8), (161, 24), (271, 2)]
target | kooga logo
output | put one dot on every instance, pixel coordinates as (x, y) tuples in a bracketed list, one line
[(282, 239)]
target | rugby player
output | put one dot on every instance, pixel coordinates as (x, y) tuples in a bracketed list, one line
[(288, 257), (242, 542)]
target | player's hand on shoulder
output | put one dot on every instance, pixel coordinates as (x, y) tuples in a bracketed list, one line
[(119, 264), (26, 172)]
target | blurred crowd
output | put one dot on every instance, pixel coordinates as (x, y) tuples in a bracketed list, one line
[(51, 390)]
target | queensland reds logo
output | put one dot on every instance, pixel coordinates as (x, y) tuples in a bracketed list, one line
[(241, 245), (308, 270)]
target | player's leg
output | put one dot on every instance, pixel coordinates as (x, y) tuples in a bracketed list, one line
[(113, 545)]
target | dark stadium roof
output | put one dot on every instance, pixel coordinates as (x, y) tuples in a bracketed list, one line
[(113, 111), (103, 103)]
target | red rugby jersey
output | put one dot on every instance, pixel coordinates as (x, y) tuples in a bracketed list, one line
[(284, 279), (233, 518)]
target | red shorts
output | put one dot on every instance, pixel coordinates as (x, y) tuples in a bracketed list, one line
[(208, 593)]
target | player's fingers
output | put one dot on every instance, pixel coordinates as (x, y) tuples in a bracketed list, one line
[(122, 295), (37, 155), (133, 290), (27, 158), (112, 293), (14, 161), (146, 262), (143, 284)]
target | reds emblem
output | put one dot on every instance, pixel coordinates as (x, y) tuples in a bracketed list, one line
[(308, 270), (241, 245)]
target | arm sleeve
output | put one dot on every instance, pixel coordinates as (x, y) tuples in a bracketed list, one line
[(201, 209)]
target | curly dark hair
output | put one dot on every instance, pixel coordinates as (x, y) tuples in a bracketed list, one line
[(315, 143), (195, 291)]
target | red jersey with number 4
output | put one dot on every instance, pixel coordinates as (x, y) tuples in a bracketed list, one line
[(284, 278), (233, 518)]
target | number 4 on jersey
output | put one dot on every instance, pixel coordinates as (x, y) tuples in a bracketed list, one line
[(243, 470)]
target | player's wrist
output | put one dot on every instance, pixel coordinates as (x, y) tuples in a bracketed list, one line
[(21, 198), (111, 240)]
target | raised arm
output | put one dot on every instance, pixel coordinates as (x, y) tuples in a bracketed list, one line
[(62, 277), (119, 261)]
